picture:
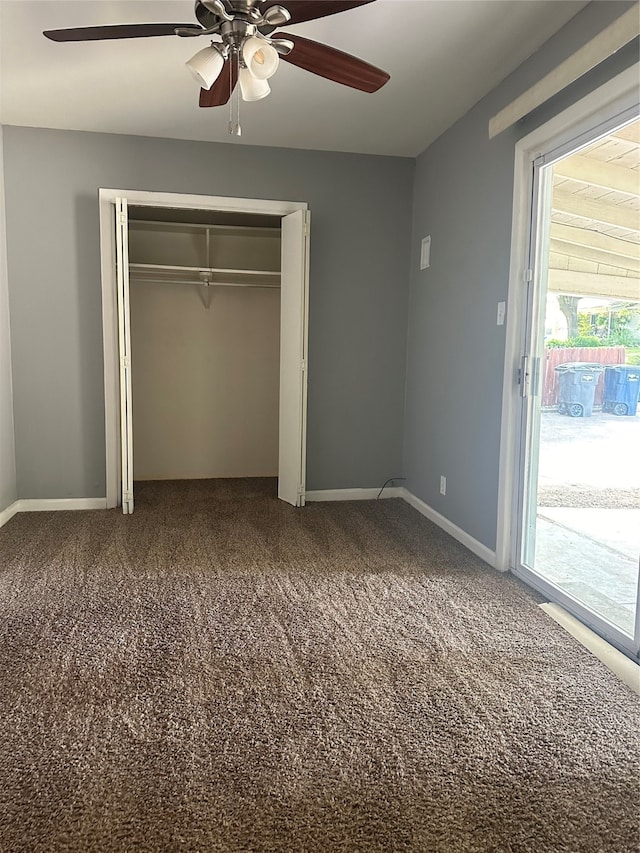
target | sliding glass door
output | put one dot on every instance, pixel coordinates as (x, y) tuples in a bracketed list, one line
[(579, 495)]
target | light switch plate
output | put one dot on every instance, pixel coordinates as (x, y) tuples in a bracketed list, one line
[(425, 252)]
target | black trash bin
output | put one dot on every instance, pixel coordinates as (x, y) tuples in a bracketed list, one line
[(578, 381), (621, 387)]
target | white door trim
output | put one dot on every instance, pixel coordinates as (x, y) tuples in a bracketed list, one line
[(581, 118), (107, 198)]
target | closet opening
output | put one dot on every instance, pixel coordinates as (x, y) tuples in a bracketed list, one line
[(205, 322), (205, 343)]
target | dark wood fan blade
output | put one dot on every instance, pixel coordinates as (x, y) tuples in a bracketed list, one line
[(333, 64), (309, 10), (119, 31), (221, 90)]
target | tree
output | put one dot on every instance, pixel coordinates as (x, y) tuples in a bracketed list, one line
[(569, 307)]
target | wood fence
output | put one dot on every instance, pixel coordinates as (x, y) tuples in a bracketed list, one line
[(554, 356)]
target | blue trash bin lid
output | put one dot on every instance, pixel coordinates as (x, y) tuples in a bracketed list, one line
[(624, 368)]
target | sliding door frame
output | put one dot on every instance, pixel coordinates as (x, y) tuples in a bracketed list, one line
[(611, 104)]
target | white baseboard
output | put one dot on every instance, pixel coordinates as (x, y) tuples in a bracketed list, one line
[(8, 513), (449, 527), (50, 505), (59, 504), (353, 494)]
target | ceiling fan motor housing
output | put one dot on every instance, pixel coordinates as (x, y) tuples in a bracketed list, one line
[(235, 32), (212, 13)]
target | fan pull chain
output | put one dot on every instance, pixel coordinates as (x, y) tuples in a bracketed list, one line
[(234, 126), (238, 126)]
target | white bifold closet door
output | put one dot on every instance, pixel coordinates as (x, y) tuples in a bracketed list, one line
[(124, 346), (293, 357)]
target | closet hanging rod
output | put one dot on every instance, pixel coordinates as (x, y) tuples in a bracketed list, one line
[(167, 274), (169, 268), (201, 283)]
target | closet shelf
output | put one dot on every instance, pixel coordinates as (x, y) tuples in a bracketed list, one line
[(167, 274)]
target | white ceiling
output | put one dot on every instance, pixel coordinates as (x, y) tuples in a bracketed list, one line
[(443, 56)]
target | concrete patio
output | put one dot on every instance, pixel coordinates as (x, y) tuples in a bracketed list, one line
[(588, 515)]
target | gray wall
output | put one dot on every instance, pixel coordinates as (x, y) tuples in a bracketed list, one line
[(8, 491), (360, 246), (463, 198)]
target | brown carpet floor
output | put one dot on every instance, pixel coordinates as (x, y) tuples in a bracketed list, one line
[(222, 672)]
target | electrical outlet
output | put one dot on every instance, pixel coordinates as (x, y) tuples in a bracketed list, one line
[(443, 485), (502, 310)]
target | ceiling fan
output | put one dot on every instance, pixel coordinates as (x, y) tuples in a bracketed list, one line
[(246, 48)]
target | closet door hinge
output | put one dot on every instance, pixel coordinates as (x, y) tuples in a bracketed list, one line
[(125, 361), (122, 218), (528, 275), (303, 365), (127, 496)]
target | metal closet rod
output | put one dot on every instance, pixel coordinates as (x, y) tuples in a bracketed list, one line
[(203, 283)]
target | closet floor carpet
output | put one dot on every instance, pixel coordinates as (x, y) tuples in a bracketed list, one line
[(223, 672)]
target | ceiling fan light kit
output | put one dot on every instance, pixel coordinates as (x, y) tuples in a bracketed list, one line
[(245, 49), (260, 58), (252, 88), (206, 65)]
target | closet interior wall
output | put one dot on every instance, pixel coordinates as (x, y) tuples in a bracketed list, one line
[(205, 335)]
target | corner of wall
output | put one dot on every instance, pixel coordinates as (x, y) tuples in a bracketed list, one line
[(412, 242), (8, 482)]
